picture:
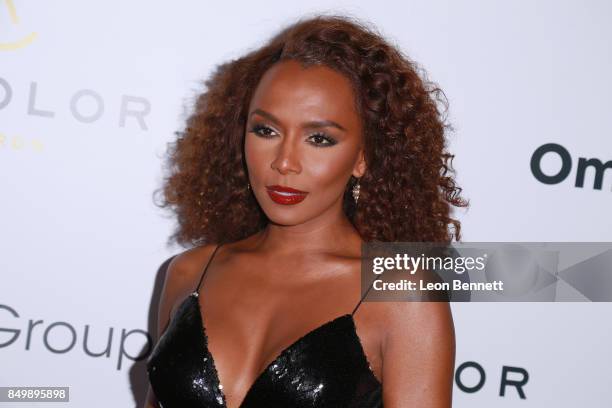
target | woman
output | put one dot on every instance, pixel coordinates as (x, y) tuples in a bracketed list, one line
[(297, 153)]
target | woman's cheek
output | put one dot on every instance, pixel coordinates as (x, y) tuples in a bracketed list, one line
[(328, 170), (256, 155)]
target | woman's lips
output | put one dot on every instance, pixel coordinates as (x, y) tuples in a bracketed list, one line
[(285, 195)]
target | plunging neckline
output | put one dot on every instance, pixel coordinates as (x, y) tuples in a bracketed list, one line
[(218, 384)]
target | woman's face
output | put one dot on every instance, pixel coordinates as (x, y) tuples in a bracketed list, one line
[(302, 133)]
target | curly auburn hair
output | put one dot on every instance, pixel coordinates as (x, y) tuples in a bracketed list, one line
[(408, 188)]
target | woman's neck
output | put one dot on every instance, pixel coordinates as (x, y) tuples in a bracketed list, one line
[(321, 234)]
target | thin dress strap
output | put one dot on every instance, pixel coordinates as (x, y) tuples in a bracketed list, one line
[(206, 268), (363, 297)]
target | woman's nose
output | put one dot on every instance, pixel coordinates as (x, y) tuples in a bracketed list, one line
[(287, 158)]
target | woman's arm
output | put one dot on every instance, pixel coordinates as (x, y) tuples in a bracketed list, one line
[(163, 314), (150, 401), (418, 355), (180, 278)]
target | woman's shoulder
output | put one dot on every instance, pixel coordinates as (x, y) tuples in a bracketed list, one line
[(418, 317), (185, 267), (181, 278)]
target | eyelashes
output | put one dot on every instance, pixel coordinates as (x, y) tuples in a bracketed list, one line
[(261, 130), (318, 139), (325, 140)]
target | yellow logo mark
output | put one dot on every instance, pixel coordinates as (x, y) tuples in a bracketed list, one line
[(15, 20)]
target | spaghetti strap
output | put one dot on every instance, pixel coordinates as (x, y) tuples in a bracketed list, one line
[(363, 297), (197, 290)]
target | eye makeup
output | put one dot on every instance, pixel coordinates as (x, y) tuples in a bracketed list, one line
[(317, 139)]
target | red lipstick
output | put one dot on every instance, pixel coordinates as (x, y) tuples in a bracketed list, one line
[(285, 195)]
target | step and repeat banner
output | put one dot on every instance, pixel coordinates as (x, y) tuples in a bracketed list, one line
[(92, 92)]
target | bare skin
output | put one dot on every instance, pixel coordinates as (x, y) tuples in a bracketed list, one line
[(264, 292)]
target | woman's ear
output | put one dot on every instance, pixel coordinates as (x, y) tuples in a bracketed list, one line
[(360, 166)]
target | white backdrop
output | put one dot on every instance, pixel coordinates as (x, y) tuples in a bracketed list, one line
[(91, 92)]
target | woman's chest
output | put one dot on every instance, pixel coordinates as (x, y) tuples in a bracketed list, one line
[(324, 367)]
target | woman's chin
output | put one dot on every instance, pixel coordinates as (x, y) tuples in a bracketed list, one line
[(285, 218)]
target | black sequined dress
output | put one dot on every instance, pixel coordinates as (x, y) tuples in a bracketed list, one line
[(326, 367)]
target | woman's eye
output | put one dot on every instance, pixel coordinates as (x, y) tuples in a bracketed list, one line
[(263, 131), (317, 139), (320, 139)]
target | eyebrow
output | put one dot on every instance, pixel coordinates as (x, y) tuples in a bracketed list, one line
[(311, 124)]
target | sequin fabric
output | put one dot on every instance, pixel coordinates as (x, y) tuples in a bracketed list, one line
[(326, 367)]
